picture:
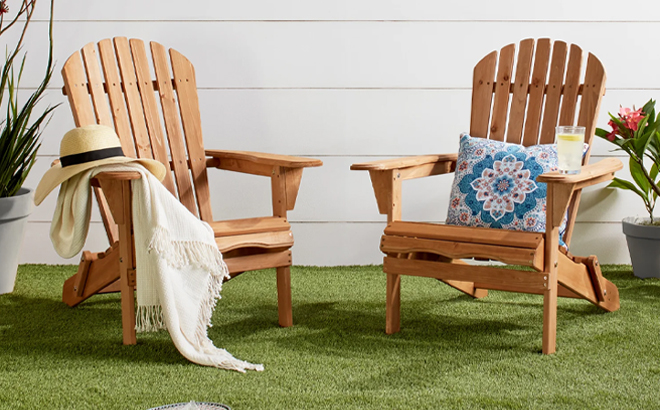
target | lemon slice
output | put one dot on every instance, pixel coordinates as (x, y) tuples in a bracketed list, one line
[(570, 137)]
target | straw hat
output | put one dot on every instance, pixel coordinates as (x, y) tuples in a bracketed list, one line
[(88, 147)]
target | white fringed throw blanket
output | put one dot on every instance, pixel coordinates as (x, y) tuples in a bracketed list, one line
[(179, 270)]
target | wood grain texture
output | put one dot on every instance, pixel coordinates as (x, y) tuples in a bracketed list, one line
[(520, 90), (151, 109), (482, 95), (553, 93), (186, 89), (173, 127), (501, 93), (536, 92), (116, 97)]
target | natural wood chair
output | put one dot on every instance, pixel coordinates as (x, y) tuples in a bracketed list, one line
[(512, 107), (121, 93)]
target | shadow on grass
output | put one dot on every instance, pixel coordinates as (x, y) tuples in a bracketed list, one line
[(50, 329)]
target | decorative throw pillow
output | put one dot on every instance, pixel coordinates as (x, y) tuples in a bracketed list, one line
[(495, 185)]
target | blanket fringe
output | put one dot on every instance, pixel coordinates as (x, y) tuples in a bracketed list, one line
[(149, 319), (187, 253)]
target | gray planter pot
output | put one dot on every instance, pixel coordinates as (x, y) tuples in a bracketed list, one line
[(644, 247), (14, 211)]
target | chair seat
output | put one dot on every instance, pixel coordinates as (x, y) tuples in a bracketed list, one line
[(267, 232), (460, 242)]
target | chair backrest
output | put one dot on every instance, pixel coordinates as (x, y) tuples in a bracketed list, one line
[(111, 83), (548, 88), (545, 90)]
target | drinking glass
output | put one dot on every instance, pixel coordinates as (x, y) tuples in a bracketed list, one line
[(570, 145)]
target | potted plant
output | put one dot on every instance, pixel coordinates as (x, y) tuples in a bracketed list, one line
[(637, 132), (20, 131)]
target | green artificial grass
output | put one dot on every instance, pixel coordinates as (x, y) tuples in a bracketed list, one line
[(453, 352)]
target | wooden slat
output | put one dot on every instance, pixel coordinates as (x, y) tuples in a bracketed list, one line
[(461, 250), (482, 95), (75, 83), (553, 93), (571, 86), (451, 271), (95, 85), (116, 97), (266, 240), (249, 226), (150, 106), (592, 95), (487, 236), (561, 290), (173, 127), (132, 97), (254, 262), (536, 92), (520, 90), (186, 88), (502, 92)]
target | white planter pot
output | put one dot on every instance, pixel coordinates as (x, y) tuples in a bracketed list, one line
[(644, 247), (14, 211)]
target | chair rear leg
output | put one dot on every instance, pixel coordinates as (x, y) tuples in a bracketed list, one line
[(284, 308), (393, 304)]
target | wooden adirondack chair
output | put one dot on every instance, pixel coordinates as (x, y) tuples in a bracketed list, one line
[(121, 93), (524, 110)]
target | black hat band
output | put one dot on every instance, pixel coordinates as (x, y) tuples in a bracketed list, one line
[(89, 156)]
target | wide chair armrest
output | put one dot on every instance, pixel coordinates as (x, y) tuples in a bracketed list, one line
[(436, 164), (285, 172), (591, 174), (387, 175), (256, 162), (564, 190)]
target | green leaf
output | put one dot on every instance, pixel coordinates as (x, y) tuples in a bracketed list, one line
[(623, 184), (637, 173)]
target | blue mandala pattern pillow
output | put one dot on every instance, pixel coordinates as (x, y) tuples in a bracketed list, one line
[(495, 185)]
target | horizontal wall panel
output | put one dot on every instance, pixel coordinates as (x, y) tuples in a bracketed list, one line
[(423, 10), (605, 240), (349, 54), (384, 122), (342, 243), (37, 247)]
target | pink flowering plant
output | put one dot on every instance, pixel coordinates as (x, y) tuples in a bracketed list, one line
[(637, 132)]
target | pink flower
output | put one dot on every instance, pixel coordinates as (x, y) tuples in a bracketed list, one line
[(631, 118), (3, 7), (615, 128)]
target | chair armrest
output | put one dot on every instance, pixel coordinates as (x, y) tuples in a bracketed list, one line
[(387, 175), (405, 162), (285, 172), (114, 176), (266, 159), (591, 174)]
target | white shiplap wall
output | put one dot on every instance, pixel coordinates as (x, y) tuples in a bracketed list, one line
[(347, 81)]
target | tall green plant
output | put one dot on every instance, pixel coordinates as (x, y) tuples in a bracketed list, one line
[(19, 135), (637, 132)]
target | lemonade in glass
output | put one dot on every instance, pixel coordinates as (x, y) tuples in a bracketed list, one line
[(570, 144)]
